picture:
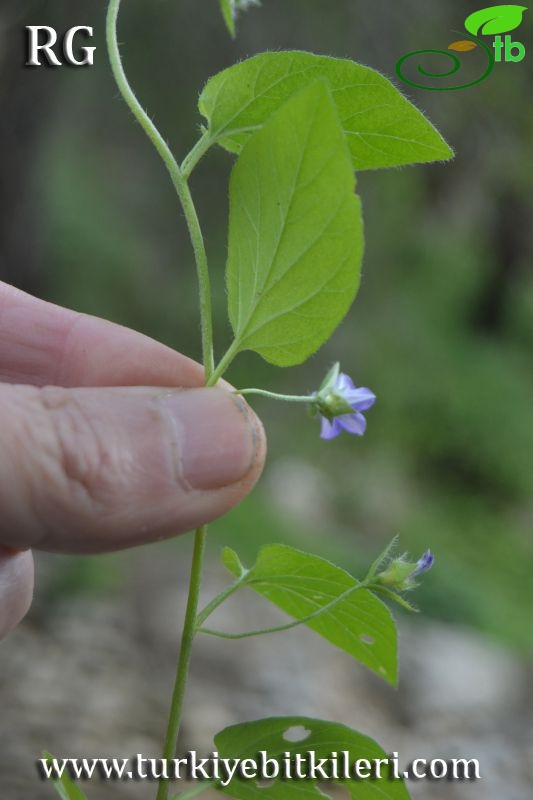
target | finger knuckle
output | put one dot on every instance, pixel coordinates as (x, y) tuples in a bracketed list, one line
[(78, 449)]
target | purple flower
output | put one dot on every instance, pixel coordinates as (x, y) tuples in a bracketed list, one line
[(340, 405), (423, 564)]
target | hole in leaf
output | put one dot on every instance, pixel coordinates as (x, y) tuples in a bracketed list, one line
[(366, 639), (333, 791), (264, 783), (296, 734), (341, 793), (382, 670)]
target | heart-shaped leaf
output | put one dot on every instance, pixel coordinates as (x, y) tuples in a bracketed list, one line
[(494, 20), (301, 584), (295, 234), (382, 127), (309, 739)]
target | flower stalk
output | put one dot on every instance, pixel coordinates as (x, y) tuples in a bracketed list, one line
[(338, 403)]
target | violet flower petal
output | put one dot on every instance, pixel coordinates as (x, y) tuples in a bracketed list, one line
[(360, 399), (330, 430), (344, 384), (353, 423), (424, 563)]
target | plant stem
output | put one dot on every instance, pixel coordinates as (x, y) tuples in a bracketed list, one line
[(178, 179), (187, 638), (182, 188)]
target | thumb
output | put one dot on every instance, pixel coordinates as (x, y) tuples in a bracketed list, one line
[(16, 588), (93, 470)]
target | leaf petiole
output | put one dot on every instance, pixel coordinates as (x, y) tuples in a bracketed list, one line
[(199, 150), (218, 600), (289, 625), (224, 362)]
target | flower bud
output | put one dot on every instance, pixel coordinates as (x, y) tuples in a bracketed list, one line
[(400, 574)]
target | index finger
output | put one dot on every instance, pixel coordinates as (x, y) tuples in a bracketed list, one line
[(43, 344)]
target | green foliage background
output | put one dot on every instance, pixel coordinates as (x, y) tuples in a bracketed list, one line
[(442, 329)]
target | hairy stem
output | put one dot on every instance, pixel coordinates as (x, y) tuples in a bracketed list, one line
[(187, 638), (178, 179)]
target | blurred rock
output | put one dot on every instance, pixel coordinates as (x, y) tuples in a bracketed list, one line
[(299, 489)]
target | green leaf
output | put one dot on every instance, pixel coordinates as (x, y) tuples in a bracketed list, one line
[(226, 6), (494, 20), (382, 127), (301, 584), (64, 786), (277, 736), (232, 562), (231, 10), (295, 236)]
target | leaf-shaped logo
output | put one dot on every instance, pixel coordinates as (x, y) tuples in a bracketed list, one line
[(494, 20), (463, 45)]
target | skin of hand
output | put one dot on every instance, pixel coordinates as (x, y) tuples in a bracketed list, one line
[(107, 441)]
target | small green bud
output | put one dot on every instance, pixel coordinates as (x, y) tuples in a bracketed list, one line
[(397, 575), (400, 574)]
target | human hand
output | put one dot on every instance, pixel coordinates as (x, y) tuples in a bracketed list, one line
[(99, 449)]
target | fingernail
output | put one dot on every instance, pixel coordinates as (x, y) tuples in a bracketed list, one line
[(215, 436)]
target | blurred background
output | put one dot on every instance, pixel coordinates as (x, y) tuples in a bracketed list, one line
[(442, 331)]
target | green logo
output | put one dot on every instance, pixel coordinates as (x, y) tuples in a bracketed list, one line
[(492, 21)]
